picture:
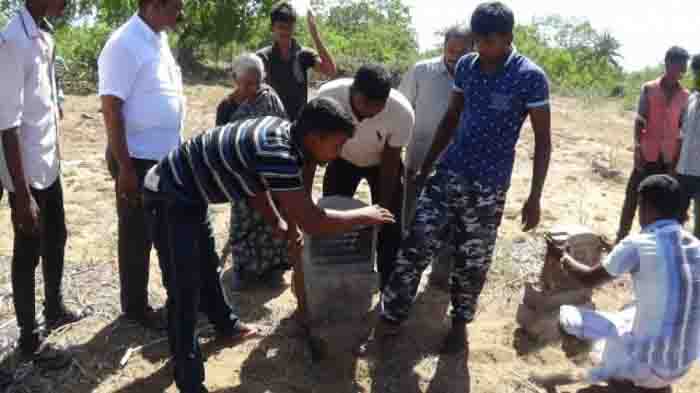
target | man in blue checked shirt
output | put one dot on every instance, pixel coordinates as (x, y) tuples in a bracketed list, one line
[(653, 342), (495, 90)]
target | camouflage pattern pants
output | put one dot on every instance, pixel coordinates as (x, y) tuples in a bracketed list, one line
[(450, 209)]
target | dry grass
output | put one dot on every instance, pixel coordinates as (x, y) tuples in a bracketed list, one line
[(279, 361)]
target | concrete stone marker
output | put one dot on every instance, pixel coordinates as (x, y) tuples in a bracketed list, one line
[(539, 312), (339, 271)]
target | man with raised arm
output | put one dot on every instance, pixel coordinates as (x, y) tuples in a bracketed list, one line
[(287, 63)]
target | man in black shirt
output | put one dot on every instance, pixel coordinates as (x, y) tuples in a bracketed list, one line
[(287, 63)]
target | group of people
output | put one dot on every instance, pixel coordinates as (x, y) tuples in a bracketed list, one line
[(653, 342), (458, 116)]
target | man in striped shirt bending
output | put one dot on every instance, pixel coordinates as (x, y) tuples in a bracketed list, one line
[(652, 343), (255, 159)]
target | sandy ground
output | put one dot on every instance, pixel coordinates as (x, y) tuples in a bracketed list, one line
[(499, 359)]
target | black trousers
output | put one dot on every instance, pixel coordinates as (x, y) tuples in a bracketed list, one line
[(342, 178), (49, 246), (134, 244), (186, 248), (629, 208)]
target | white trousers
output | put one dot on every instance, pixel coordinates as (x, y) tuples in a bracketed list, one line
[(611, 333)]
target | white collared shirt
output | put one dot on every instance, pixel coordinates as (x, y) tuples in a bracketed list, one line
[(137, 66), (427, 86), (28, 100), (392, 126)]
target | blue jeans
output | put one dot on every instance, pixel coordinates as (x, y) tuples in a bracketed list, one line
[(187, 253)]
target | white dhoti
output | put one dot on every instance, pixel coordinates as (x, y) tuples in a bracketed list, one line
[(614, 347)]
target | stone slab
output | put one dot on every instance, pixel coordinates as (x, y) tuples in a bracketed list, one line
[(339, 270)]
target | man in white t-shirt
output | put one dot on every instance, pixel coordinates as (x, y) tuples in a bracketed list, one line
[(143, 104), (30, 172), (384, 120)]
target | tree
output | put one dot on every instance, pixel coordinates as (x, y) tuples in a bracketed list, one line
[(574, 55), (206, 23), (608, 47), (7, 9), (359, 31), (74, 10), (218, 23)]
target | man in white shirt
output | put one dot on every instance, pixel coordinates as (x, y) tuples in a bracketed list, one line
[(427, 87), (30, 171), (384, 120), (143, 104)]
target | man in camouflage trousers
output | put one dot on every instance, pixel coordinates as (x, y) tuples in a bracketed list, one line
[(495, 90), (450, 210)]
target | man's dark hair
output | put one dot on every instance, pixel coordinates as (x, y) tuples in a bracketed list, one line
[(459, 32), (677, 55), (695, 63), (372, 81), (664, 194), (323, 115), (492, 17), (283, 12)]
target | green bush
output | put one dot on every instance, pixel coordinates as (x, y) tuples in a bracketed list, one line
[(356, 32), (570, 69), (80, 46)]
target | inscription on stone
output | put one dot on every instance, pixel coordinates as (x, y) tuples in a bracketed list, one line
[(355, 248), (347, 248), (340, 267)]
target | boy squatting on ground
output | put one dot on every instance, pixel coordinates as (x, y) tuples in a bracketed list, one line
[(256, 159), (652, 343), (495, 90)]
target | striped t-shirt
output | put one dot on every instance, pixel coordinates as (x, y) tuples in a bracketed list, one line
[(232, 162), (664, 262)]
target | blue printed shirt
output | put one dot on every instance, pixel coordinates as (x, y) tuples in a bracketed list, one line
[(495, 108)]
